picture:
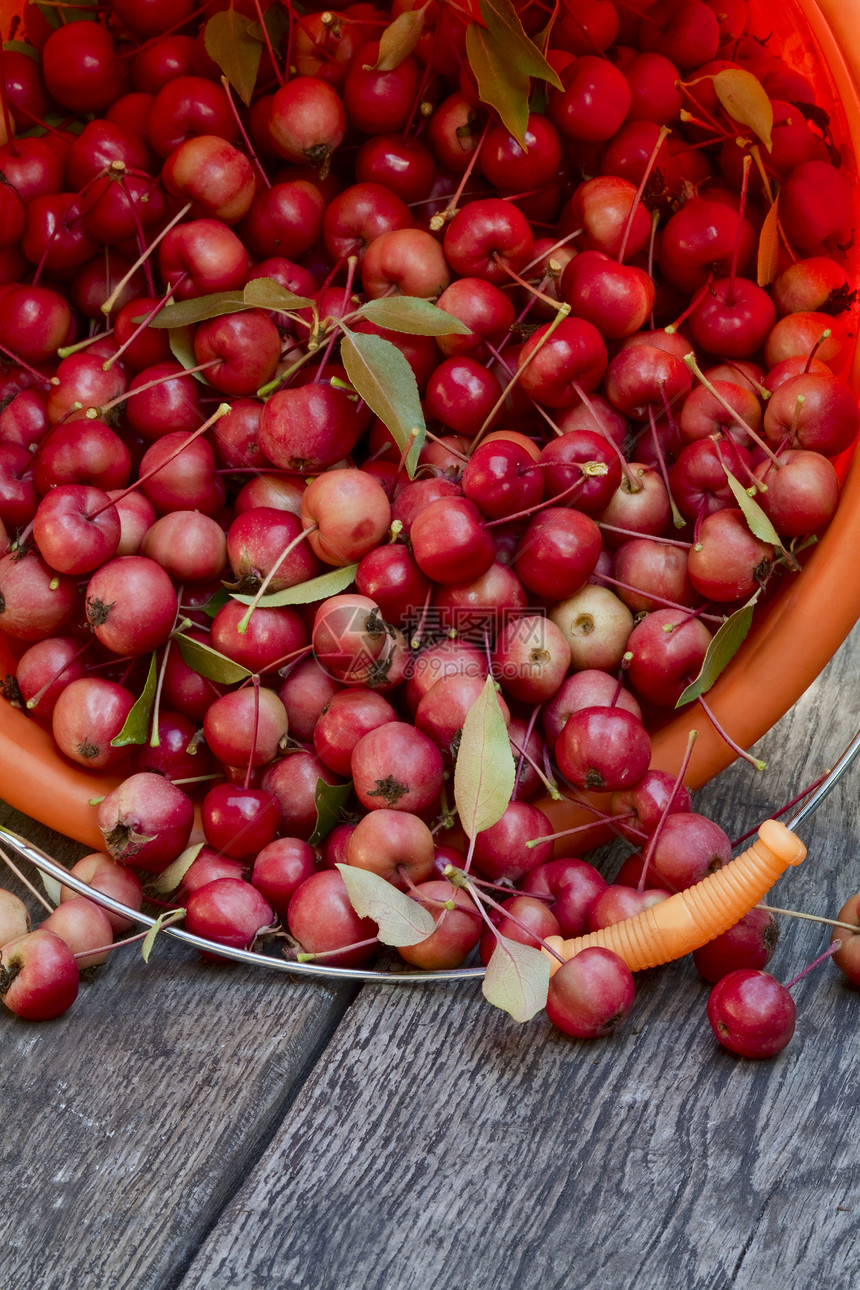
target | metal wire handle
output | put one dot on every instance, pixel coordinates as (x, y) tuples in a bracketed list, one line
[(41, 860), (815, 799)]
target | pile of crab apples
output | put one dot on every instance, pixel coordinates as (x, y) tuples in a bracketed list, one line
[(324, 399)]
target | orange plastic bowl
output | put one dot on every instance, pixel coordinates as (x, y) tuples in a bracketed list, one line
[(791, 641)]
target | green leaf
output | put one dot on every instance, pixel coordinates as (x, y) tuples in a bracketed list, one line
[(231, 43), (745, 99), (767, 263), (136, 728), (52, 887), (216, 601), (305, 593), (517, 979), (720, 652), (757, 522), (21, 47), (58, 17), (381, 374), (503, 23), (399, 39), (412, 315), (500, 85), (49, 13), (400, 919), (149, 939), (185, 313), (329, 800), (181, 341), (484, 772), (207, 662), (265, 293), (277, 22), (172, 876)]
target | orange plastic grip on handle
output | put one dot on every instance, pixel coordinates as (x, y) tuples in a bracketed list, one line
[(695, 916)]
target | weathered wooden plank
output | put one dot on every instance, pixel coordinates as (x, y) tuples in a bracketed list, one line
[(128, 1122), (439, 1144)]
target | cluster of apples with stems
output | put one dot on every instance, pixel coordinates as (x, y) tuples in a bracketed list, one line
[(402, 408)]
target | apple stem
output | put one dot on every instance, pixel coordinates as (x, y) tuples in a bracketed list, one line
[(33, 701), (698, 296), (635, 486), (664, 814), (132, 50), (167, 921), (690, 360), (560, 499), (19, 362), (418, 103), (302, 957), (810, 918), (261, 590), (4, 100), (556, 246), (439, 221), (825, 335), (631, 214), (275, 384), (833, 949), (272, 59), (415, 642), (657, 600), (95, 413), (726, 737), (72, 212), (518, 922), (65, 350), (736, 249), (162, 304), (457, 878), (280, 664), (155, 738), (652, 537), (249, 147), (580, 828), (766, 185), (197, 779), (223, 409), (535, 292), (775, 815), (526, 737), (563, 311), (550, 786), (334, 334), (25, 881), (655, 221), (677, 518), (434, 438), (256, 683), (108, 305), (138, 227)]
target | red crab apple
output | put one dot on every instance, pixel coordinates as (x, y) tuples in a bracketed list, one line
[(14, 919), (86, 929), (590, 994), (146, 821), (39, 976), (847, 959), (751, 1013)]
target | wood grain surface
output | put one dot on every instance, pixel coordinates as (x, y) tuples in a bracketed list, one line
[(188, 1127), (129, 1121)]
